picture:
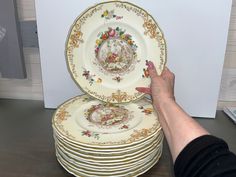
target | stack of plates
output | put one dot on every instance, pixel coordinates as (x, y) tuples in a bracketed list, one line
[(108, 49), (93, 138)]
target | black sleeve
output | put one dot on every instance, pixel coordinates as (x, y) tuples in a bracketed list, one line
[(206, 156)]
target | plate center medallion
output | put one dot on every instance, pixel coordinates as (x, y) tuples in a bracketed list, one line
[(107, 115), (115, 55), (108, 118), (115, 51)]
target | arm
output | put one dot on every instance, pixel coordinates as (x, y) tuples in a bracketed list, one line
[(179, 128), (194, 151)]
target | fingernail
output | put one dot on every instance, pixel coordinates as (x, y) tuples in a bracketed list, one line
[(150, 65), (138, 88)]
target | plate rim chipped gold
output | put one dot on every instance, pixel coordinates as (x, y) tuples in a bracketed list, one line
[(61, 115), (114, 95)]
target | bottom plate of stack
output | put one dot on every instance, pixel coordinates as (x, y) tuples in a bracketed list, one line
[(93, 138)]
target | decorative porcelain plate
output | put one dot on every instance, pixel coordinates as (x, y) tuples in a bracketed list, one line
[(108, 48), (109, 168), (109, 151), (93, 123), (76, 170), (121, 160), (113, 162), (111, 159)]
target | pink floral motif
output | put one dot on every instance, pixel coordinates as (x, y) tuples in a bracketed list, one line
[(86, 133), (91, 77), (111, 32), (119, 17), (90, 134), (124, 127), (110, 14)]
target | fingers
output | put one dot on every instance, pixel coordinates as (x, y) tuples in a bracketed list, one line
[(144, 90), (152, 73), (152, 70), (166, 73)]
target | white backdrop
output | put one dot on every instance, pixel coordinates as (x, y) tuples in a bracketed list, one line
[(196, 35)]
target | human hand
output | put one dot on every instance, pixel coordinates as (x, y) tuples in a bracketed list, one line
[(161, 88)]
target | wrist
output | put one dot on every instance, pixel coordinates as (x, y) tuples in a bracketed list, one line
[(162, 104)]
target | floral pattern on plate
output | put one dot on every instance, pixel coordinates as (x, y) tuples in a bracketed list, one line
[(90, 134), (110, 14), (115, 52), (93, 123)]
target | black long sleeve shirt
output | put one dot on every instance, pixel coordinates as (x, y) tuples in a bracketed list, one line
[(206, 156)]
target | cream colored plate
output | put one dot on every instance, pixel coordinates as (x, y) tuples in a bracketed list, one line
[(107, 167), (127, 158), (96, 124), (112, 160), (114, 153), (108, 47), (77, 171), (107, 151)]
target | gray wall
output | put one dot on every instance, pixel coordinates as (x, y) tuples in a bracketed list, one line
[(11, 55)]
